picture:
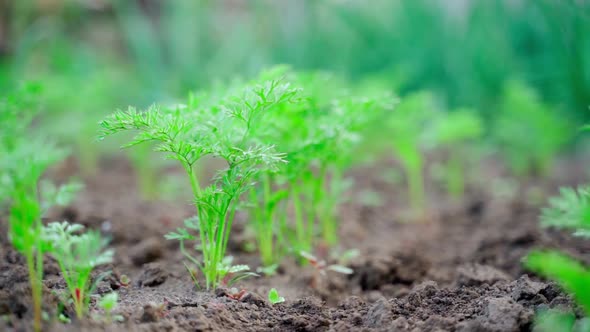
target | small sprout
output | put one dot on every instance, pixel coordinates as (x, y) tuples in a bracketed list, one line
[(231, 274), (321, 267), (235, 294), (124, 280), (274, 297), (64, 319), (77, 256), (108, 303)]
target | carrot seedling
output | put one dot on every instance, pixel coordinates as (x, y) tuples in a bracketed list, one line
[(222, 128), (410, 127), (25, 158), (570, 210), (528, 133), (108, 303), (455, 132), (321, 267), (319, 136), (274, 297), (77, 256)]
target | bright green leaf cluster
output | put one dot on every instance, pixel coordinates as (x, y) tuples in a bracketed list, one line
[(274, 297), (287, 140), (319, 136), (570, 210), (77, 256), (222, 126)]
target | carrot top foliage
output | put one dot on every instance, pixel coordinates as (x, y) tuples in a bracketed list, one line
[(26, 156), (225, 127)]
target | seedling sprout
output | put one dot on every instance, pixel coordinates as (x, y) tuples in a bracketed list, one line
[(274, 297)]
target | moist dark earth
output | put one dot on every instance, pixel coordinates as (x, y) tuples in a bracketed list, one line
[(457, 268)]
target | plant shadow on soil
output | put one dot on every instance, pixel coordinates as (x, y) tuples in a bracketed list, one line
[(459, 271)]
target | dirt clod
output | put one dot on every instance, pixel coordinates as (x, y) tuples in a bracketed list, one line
[(379, 314), (505, 315), (146, 251), (152, 275), (476, 274)]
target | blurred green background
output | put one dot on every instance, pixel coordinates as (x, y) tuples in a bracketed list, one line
[(93, 56)]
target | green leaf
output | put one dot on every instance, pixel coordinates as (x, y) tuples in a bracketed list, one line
[(571, 209), (274, 298), (180, 234), (340, 269), (108, 302), (569, 273)]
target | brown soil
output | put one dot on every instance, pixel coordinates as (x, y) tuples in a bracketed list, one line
[(458, 269)]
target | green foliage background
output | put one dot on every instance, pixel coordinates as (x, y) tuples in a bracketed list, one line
[(100, 54)]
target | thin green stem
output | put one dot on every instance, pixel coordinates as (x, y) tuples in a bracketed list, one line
[(416, 186), (36, 290), (194, 180), (266, 231), (218, 246), (232, 214), (455, 179), (313, 201), (203, 225), (299, 227)]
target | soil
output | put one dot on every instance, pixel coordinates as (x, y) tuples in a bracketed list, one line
[(456, 269)]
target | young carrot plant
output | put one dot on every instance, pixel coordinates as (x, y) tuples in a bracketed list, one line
[(570, 210), (77, 256), (274, 297), (410, 126), (108, 303), (455, 132), (222, 129), (25, 158), (320, 136), (528, 133)]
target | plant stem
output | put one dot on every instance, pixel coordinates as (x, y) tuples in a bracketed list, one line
[(299, 227), (416, 186), (327, 204), (36, 290), (194, 180), (313, 201), (455, 183), (202, 223), (267, 243)]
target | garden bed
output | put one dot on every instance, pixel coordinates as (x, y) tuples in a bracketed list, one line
[(459, 269)]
